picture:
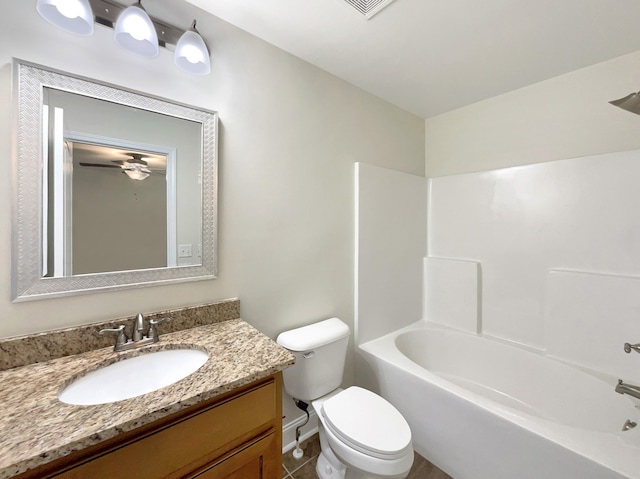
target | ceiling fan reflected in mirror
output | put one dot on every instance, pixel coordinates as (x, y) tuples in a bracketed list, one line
[(136, 167)]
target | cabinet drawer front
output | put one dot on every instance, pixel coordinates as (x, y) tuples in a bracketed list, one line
[(190, 443), (255, 461)]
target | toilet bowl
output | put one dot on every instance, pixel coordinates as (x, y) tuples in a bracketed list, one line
[(365, 433), (362, 436)]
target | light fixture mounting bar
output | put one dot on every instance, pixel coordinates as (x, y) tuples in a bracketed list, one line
[(107, 12)]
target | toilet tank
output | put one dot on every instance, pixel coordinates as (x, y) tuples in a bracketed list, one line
[(320, 350)]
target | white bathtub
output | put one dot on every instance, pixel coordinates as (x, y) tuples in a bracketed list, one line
[(483, 409)]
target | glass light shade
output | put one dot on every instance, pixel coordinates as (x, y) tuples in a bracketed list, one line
[(136, 174), (74, 16), (135, 31), (630, 103), (192, 54)]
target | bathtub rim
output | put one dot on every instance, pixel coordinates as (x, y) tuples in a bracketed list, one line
[(619, 454)]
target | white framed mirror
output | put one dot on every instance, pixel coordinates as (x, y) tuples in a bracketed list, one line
[(113, 189)]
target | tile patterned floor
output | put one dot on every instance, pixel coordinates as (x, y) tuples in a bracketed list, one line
[(305, 468)]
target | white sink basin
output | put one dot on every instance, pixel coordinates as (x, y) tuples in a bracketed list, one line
[(133, 377)]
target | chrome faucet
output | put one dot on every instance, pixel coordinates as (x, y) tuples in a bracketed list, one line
[(138, 337), (628, 347), (138, 328), (624, 388)]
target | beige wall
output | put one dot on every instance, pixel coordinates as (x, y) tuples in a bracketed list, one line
[(289, 137), (565, 117), (118, 223)]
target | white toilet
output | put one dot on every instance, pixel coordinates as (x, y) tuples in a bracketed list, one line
[(361, 434)]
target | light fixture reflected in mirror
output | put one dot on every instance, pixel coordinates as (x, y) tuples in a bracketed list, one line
[(74, 16), (630, 103), (135, 31), (136, 174), (136, 167), (191, 52)]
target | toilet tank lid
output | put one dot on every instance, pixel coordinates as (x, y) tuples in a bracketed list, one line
[(313, 335)]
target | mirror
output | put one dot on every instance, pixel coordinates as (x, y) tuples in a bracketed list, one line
[(114, 189)]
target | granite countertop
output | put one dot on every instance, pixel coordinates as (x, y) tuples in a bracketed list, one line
[(37, 428)]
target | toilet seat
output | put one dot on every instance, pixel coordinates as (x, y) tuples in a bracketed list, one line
[(367, 423)]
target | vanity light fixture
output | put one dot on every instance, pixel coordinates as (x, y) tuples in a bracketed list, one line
[(191, 52), (133, 29), (74, 16), (630, 103)]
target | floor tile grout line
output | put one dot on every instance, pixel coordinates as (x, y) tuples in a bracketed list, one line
[(301, 465)]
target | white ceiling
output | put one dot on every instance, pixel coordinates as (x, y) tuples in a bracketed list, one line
[(432, 56)]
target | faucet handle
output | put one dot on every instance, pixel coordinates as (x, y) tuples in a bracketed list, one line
[(153, 331), (121, 338), (628, 347)]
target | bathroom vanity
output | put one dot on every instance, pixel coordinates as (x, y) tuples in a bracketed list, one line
[(224, 420), (235, 435)]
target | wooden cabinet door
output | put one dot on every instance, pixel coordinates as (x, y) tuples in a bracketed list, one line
[(258, 460)]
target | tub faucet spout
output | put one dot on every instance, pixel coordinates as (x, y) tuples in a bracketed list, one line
[(624, 388)]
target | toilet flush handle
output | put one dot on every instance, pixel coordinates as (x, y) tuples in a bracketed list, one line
[(309, 355)]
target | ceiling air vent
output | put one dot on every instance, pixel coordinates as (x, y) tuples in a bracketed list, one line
[(368, 7)]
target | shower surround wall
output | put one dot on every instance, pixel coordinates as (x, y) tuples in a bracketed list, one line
[(549, 252), (390, 239)]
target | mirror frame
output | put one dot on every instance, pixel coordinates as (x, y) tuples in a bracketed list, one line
[(29, 80)]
